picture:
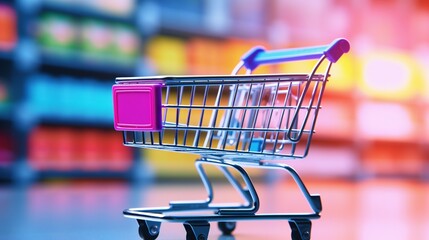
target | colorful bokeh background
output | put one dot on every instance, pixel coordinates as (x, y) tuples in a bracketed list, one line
[(59, 59)]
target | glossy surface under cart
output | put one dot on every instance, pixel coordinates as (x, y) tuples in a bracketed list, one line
[(232, 122)]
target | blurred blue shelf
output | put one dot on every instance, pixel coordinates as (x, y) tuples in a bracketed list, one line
[(6, 55), (170, 27), (6, 173), (79, 63), (84, 174), (76, 122), (86, 12), (5, 113)]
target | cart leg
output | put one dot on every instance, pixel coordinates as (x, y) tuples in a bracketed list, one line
[(197, 230), (148, 230), (248, 192), (301, 229), (197, 204), (313, 200)]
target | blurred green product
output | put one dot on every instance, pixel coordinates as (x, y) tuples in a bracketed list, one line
[(96, 40), (125, 44), (57, 34), (4, 97)]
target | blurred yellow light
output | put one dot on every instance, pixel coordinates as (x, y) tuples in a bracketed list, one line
[(386, 75), (390, 75), (343, 74), (168, 54)]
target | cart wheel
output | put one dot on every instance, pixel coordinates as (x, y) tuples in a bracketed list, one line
[(227, 227), (301, 229), (197, 230), (148, 230)]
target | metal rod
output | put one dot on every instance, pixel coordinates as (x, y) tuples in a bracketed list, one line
[(197, 134)]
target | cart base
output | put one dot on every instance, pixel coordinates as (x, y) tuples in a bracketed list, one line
[(197, 215), (197, 224)]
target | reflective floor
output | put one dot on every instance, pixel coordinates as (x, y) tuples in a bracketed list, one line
[(361, 210)]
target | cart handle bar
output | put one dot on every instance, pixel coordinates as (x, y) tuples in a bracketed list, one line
[(258, 55)]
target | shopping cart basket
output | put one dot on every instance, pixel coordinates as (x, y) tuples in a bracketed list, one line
[(231, 121)]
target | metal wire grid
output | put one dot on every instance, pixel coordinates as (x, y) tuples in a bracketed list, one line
[(246, 117)]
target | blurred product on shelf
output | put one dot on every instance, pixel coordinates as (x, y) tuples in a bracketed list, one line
[(4, 97), (57, 34), (205, 56), (117, 43), (66, 98), (393, 159), (77, 149), (87, 39), (391, 75), (97, 39), (126, 44), (8, 32), (168, 54)]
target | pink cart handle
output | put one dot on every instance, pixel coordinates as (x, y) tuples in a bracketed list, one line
[(137, 107), (258, 56)]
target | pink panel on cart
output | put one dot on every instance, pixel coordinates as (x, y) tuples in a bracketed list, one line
[(137, 107)]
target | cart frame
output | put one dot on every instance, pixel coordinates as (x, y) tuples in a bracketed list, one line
[(247, 134)]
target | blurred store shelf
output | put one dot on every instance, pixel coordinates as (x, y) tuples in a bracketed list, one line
[(79, 63), (59, 59), (85, 10)]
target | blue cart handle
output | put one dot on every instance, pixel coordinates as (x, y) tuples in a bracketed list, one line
[(257, 55)]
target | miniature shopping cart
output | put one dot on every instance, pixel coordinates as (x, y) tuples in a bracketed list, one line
[(232, 122)]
